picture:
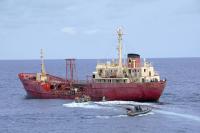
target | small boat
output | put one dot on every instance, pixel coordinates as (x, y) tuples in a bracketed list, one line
[(138, 110), (82, 99)]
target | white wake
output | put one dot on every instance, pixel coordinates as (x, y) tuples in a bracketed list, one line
[(87, 105), (187, 116), (102, 105), (117, 105)]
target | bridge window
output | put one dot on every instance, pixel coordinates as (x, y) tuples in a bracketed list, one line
[(149, 73), (142, 79), (129, 71)]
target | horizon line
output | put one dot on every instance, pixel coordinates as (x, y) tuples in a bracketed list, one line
[(98, 58)]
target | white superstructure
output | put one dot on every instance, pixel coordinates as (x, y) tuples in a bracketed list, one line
[(132, 71)]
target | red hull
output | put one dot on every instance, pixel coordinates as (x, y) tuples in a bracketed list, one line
[(130, 91)]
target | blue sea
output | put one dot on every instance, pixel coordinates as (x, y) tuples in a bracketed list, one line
[(178, 110)]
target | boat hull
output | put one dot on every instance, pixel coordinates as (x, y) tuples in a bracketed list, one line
[(97, 91), (41, 90), (128, 92)]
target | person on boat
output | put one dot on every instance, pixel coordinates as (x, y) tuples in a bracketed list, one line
[(138, 108)]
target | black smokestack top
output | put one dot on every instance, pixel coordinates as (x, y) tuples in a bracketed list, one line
[(133, 56)]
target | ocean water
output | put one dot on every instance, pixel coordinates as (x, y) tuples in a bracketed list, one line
[(178, 110)]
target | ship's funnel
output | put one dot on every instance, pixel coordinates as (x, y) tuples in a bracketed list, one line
[(133, 60)]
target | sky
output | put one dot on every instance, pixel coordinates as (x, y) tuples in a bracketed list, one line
[(86, 29)]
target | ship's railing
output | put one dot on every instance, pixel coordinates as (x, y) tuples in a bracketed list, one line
[(51, 77), (27, 75), (89, 79), (84, 81), (147, 64)]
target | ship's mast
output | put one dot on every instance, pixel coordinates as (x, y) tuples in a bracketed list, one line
[(119, 33), (43, 72)]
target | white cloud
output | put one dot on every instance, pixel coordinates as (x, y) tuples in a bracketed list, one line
[(74, 31), (90, 31), (69, 30)]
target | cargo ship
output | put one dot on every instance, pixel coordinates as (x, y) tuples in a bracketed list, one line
[(134, 80)]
